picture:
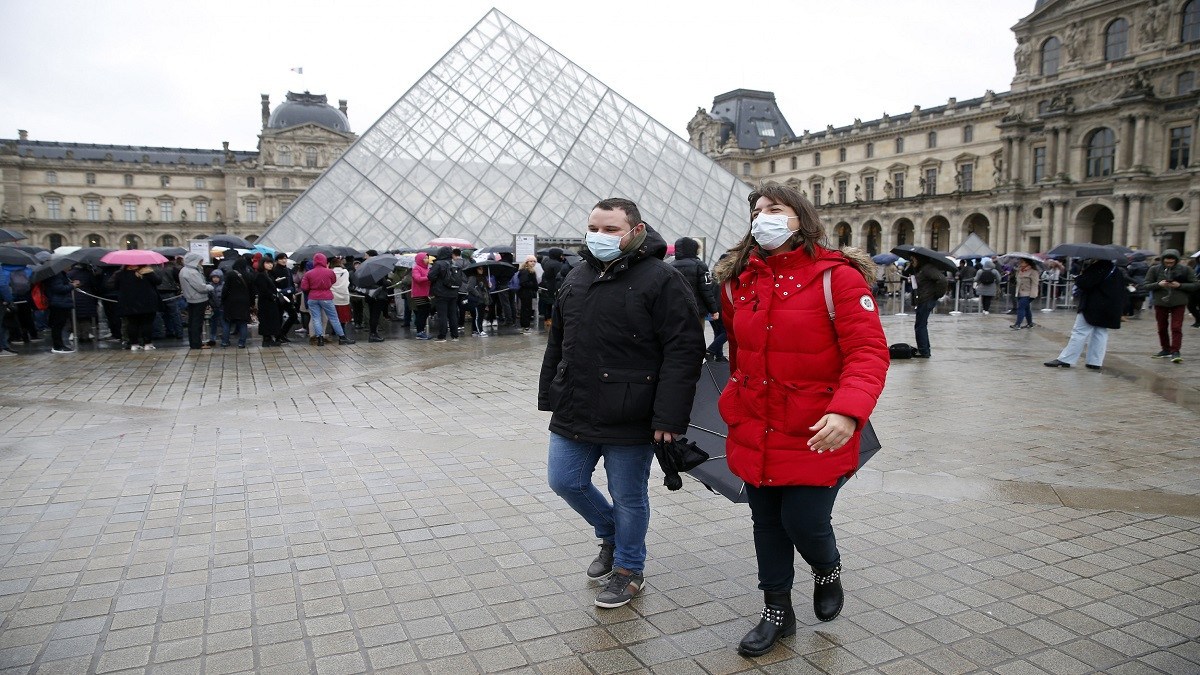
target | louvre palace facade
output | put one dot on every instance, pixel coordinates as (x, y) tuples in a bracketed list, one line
[(1091, 143), (115, 196)]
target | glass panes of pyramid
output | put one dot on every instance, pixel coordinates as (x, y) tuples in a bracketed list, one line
[(505, 135)]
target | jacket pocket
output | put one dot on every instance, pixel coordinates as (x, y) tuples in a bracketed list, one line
[(559, 391), (626, 395), (804, 404)]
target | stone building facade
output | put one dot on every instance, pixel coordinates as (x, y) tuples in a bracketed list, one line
[(1093, 142), (80, 194)]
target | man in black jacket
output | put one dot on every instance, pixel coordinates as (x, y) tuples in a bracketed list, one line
[(444, 281), (552, 265), (695, 273), (1102, 292), (619, 374)]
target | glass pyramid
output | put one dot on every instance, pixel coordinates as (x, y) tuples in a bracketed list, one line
[(504, 135)]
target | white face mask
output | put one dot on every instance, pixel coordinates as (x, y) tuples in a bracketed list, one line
[(771, 230)]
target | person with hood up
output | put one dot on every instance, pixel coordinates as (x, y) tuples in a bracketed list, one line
[(445, 280), (216, 324), (695, 273), (138, 300), (1101, 292), (421, 303), (317, 283), (552, 266), (236, 299), (987, 284), (619, 374), (1169, 284), (804, 380), (195, 294), (270, 316)]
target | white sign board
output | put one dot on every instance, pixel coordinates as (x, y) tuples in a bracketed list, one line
[(203, 247), (524, 245)]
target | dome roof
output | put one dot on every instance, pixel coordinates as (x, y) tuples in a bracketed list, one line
[(307, 108)]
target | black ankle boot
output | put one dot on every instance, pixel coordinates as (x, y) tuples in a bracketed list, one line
[(777, 621), (827, 592)]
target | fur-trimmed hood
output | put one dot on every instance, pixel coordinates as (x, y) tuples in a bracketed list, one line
[(858, 258)]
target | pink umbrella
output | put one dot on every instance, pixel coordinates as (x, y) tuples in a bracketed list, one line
[(134, 256), (452, 242)]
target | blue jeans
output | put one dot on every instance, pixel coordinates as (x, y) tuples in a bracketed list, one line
[(217, 325), (719, 337), (1023, 310), (243, 332), (316, 307), (921, 327), (624, 521), (1095, 337)]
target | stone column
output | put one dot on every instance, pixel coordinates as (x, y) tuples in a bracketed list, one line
[(1139, 141), (1048, 213), (1061, 227), (1064, 169), (1008, 159), (1121, 221), (1018, 162), (1000, 229), (1192, 236), (1014, 227), (1125, 156), (1136, 229), (1052, 153)]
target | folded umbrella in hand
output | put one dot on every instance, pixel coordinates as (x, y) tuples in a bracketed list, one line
[(677, 456)]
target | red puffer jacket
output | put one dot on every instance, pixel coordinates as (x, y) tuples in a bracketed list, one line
[(790, 365)]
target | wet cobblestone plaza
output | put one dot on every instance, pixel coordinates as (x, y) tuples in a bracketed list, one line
[(383, 508)]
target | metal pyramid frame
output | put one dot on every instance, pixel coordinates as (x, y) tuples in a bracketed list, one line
[(505, 135)]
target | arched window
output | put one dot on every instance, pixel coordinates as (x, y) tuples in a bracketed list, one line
[(310, 157), (745, 168), (933, 139), (55, 240), (285, 156), (93, 240), (1191, 22), (1101, 149), (1050, 51), (132, 241), (1116, 39), (167, 240)]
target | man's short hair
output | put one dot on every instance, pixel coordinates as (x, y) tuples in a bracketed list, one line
[(372, 252), (632, 215), (456, 251)]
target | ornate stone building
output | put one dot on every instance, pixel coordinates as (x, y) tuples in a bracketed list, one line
[(120, 196), (1092, 143)]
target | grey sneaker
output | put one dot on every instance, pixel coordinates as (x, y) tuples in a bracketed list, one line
[(602, 565), (1176, 358), (1164, 354), (622, 586)]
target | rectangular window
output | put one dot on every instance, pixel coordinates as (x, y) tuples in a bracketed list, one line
[(128, 180), (869, 188), (130, 207), (89, 178), (841, 154), (199, 183), (252, 212), (53, 208), (898, 185), (931, 181), (249, 181), (1181, 148), (93, 209), (164, 181), (870, 150), (967, 172), (899, 145), (52, 177), (1039, 163), (1185, 83), (202, 212), (841, 191), (165, 211), (816, 194), (793, 164), (968, 134)]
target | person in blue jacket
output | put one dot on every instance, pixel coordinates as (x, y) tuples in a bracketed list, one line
[(60, 290)]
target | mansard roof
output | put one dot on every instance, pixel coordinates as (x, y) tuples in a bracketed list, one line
[(119, 153)]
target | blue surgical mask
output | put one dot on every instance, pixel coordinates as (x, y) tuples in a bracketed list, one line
[(605, 247), (771, 230)]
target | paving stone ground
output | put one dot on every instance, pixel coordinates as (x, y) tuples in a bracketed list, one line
[(383, 508)]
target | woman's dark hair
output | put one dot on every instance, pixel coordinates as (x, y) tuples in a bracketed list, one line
[(810, 235)]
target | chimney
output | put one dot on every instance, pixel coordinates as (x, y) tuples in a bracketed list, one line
[(342, 106), (266, 108), (22, 134)]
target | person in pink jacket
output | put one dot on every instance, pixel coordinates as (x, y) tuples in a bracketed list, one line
[(318, 283), (420, 293)]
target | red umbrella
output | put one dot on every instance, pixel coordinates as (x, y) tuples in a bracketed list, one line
[(134, 256), (452, 242)]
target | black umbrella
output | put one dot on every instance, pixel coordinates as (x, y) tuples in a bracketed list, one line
[(11, 255), (678, 456), (348, 252), (307, 252), (90, 255), (170, 251), (490, 265), (708, 430), (229, 241), (10, 235), (1089, 251), (908, 252), (405, 249), (373, 270), (48, 269), (496, 249)]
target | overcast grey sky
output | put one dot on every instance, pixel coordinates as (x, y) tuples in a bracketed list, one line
[(189, 74)]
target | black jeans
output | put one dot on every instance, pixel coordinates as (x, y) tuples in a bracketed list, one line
[(376, 308), (58, 318), (141, 328), (921, 325), (790, 519), (196, 324), (447, 311)]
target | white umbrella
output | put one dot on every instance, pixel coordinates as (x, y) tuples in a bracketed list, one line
[(64, 250)]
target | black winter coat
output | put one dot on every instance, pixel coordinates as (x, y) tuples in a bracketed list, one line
[(270, 319), (1103, 291), (59, 291), (439, 276), (551, 269), (698, 278), (236, 296), (624, 350), (136, 295), (529, 285)]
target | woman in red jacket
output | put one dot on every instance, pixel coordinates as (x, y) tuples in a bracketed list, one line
[(802, 385)]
